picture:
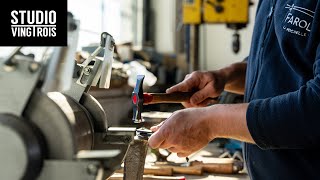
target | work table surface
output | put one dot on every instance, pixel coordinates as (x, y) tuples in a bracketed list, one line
[(204, 155)]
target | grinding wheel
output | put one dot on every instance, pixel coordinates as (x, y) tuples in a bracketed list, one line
[(64, 123), (21, 149), (96, 111)]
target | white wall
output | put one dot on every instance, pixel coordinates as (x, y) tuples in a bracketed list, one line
[(164, 12), (216, 44)]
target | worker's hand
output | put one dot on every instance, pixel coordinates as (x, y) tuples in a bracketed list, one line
[(207, 84), (184, 133)]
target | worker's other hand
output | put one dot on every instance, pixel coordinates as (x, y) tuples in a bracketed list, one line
[(184, 133), (208, 85)]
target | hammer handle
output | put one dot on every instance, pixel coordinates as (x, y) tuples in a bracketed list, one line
[(177, 97)]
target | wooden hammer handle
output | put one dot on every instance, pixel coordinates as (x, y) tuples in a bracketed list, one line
[(177, 97)]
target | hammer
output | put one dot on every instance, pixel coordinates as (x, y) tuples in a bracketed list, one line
[(139, 98)]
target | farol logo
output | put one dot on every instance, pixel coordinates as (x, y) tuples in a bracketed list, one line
[(298, 20), (33, 23)]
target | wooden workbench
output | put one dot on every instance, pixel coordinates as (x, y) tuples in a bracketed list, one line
[(220, 177), (179, 177), (204, 155)]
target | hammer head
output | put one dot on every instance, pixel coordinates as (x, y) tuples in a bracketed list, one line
[(137, 100)]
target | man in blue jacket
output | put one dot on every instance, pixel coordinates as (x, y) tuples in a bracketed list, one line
[(280, 121)]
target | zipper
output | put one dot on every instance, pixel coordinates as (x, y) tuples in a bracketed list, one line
[(265, 34), (268, 25), (261, 49)]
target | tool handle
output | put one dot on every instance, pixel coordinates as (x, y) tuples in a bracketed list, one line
[(190, 170), (220, 168), (157, 171), (176, 97)]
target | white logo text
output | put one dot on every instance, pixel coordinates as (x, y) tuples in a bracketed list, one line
[(33, 23)]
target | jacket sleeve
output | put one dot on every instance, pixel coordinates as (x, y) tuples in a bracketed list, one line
[(289, 121)]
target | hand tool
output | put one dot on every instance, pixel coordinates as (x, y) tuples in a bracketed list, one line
[(139, 98)]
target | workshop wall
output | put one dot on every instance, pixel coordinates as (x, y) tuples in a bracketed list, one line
[(216, 44), (164, 18)]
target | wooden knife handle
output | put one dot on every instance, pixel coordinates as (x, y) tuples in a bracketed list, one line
[(166, 171), (157, 171), (220, 168), (188, 170), (192, 170)]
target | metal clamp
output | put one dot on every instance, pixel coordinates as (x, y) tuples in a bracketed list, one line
[(101, 71)]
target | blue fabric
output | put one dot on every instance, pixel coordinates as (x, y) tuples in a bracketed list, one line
[(283, 91)]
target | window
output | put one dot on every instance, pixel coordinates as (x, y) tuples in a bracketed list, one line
[(96, 16)]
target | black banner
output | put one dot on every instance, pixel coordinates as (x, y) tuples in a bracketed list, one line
[(33, 23)]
